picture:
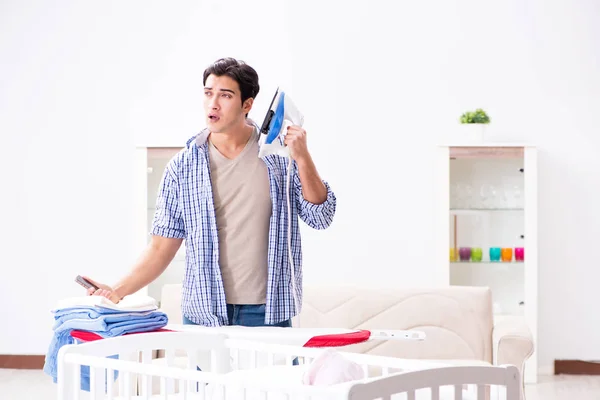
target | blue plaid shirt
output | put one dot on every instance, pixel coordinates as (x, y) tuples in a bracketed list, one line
[(185, 209)]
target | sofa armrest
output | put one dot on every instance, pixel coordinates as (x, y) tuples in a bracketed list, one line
[(170, 302), (512, 343)]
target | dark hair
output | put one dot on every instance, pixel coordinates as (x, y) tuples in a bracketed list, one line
[(239, 71)]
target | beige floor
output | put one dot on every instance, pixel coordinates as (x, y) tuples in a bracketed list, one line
[(25, 384)]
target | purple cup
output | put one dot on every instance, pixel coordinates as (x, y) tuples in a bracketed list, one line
[(464, 253)]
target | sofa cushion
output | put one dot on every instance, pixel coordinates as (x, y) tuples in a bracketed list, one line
[(458, 321)]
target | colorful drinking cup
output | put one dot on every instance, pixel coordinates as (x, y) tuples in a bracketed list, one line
[(519, 253), (464, 253), (452, 254), (495, 253), (476, 254), (507, 254)]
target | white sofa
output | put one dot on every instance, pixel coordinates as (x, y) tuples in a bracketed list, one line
[(458, 321)]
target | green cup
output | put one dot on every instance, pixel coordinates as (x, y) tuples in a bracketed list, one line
[(476, 254)]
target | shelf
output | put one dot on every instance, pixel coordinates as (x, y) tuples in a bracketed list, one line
[(503, 315), (487, 262), (162, 153), (486, 152), (471, 211), (488, 196), (485, 144)]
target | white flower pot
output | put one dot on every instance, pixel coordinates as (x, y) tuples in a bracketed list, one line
[(474, 132)]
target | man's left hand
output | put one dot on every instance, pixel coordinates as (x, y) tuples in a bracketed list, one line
[(295, 139)]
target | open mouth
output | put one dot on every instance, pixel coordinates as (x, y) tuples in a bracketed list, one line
[(213, 117)]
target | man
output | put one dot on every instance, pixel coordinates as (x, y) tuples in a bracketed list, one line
[(230, 207)]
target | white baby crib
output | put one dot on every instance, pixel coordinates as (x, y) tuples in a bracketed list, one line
[(269, 375)]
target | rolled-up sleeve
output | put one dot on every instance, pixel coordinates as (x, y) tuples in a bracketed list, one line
[(317, 216), (168, 220)]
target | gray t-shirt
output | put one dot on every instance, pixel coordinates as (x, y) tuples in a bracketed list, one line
[(243, 210)]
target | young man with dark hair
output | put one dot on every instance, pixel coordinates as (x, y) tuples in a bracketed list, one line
[(230, 207)]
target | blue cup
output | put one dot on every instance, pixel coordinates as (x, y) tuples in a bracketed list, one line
[(495, 253)]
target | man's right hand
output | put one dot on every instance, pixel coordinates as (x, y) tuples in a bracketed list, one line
[(104, 291)]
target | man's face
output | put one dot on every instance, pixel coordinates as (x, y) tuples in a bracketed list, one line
[(223, 104)]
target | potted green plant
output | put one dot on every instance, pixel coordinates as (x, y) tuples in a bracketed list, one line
[(475, 123)]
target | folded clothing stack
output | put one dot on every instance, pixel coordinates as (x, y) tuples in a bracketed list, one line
[(102, 317)]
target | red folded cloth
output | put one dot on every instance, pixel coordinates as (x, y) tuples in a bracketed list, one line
[(333, 340), (85, 336), (338, 339)]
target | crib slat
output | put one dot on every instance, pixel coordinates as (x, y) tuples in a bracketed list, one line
[(270, 359), (480, 392), (146, 380), (218, 361), (201, 391), (183, 389), (236, 353), (410, 395), (458, 392), (192, 364), (147, 356), (93, 395), (127, 385), (435, 393), (121, 381), (72, 375), (253, 358), (501, 393), (192, 357), (97, 383), (132, 377), (76, 382), (163, 387), (110, 377), (170, 359)]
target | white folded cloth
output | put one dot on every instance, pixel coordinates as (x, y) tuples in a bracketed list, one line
[(134, 302)]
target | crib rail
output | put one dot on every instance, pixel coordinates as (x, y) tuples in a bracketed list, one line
[(254, 351), (193, 384), (387, 377), (505, 378)]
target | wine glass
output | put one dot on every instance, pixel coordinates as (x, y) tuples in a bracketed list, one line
[(487, 193), (468, 196), (517, 196)]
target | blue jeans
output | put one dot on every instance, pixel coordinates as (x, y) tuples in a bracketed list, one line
[(248, 315)]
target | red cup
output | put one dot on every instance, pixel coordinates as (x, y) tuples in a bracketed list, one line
[(519, 253)]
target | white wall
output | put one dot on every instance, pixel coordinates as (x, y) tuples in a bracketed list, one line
[(82, 82)]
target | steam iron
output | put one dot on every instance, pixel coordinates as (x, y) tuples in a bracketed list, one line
[(282, 113)]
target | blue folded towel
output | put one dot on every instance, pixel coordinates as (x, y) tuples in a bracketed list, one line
[(102, 321)]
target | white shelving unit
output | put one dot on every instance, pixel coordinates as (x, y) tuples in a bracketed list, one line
[(150, 165), (487, 198)]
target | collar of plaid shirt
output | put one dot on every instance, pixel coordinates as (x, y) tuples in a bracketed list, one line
[(185, 209)]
